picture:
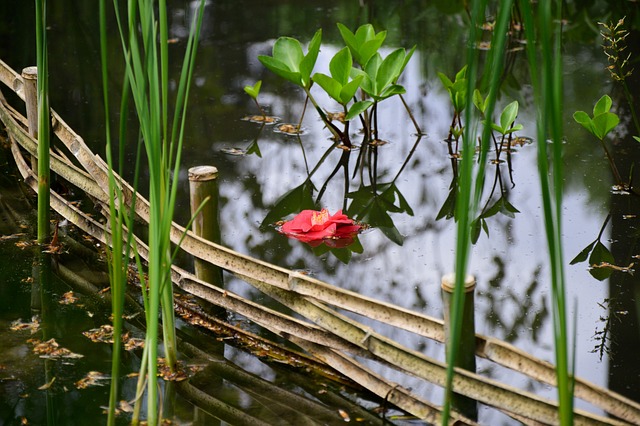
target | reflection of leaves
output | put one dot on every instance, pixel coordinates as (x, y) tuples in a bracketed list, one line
[(600, 254), (476, 226), (343, 254), (448, 209), (501, 206), (298, 199), (254, 149), (374, 208)]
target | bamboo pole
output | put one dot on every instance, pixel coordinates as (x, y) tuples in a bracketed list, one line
[(203, 193)]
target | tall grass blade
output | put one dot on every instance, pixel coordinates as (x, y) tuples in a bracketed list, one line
[(44, 121), (548, 91), (471, 185)]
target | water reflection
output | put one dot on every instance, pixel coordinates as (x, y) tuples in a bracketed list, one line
[(510, 265)]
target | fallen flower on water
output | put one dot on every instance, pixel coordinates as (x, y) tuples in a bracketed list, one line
[(315, 227)]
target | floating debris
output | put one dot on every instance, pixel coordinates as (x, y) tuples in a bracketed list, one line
[(521, 141), (103, 334), (290, 129), (32, 326), (12, 236), (335, 116), (261, 119), (46, 386), (93, 378), (52, 350), (607, 265), (68, 298), (378, 142), (238, 152), (183, 371)]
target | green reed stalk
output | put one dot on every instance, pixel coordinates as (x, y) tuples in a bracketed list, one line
[(548, 91), (44, 121), (468, 200), (146, 57)]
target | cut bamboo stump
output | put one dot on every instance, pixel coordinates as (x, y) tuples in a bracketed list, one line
[(30, 88), (466, 357)]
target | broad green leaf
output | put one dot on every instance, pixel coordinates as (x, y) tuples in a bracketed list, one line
[(254, 90), (448, 208), (331, 86), (309, 61), (603, 105), (389, 69), (509, 114), (476, 227), (637, 138), (584, 254), (604, 123), (349, 90), (378, 216), (407, 57), (600, 254), (583, 118), (349, 38), (478, 101), (509, 209), (357, 109), (372, 67), (340, 66), (363, 33), (280, 69), (342, 254), (289, 52), (461, 75), (515, 128), (370, 48), (445, 80), (394, 89)]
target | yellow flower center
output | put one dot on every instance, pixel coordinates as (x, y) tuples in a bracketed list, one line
[(319, 218)]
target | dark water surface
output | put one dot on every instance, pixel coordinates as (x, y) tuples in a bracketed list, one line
[(513, 292)]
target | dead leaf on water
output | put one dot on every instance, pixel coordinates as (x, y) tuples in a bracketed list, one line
[(93, 378), (47, 385), (289, 129), (102, 334), (52, 350), (32, 326), (12, 236), (68, 298), (344, 415)]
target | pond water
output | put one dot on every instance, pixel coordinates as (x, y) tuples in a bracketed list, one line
[(510, 264)]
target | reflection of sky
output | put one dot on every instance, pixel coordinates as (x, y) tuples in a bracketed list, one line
[(410, 275)]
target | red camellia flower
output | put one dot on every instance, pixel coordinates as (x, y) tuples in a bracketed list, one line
[(316, 227)]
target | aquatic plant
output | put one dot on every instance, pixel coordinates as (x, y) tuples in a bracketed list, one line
[(44, 121), (145, 52), (600, 125)]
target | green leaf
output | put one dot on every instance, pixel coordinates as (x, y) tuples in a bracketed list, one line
[(515, 128), (254, 149), (478, 101), (599, 255), (357, 109), (330, 85), (389, 69), (363, 33), (448, 208), (370, 48), (583, 119), (254, 90), (462, 74), (509, 114), (289, 52), (604, 123), (340, 66), (603, 105), (584, 254), (309, 61), (394, 89), (637, 138), (349, 90), (476, 227), (407, 57), (349, 38), (280, 69), (445, 80)]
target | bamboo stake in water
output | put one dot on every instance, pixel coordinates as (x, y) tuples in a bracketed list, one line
[(30, 87), (203, 188), (467, 344)]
